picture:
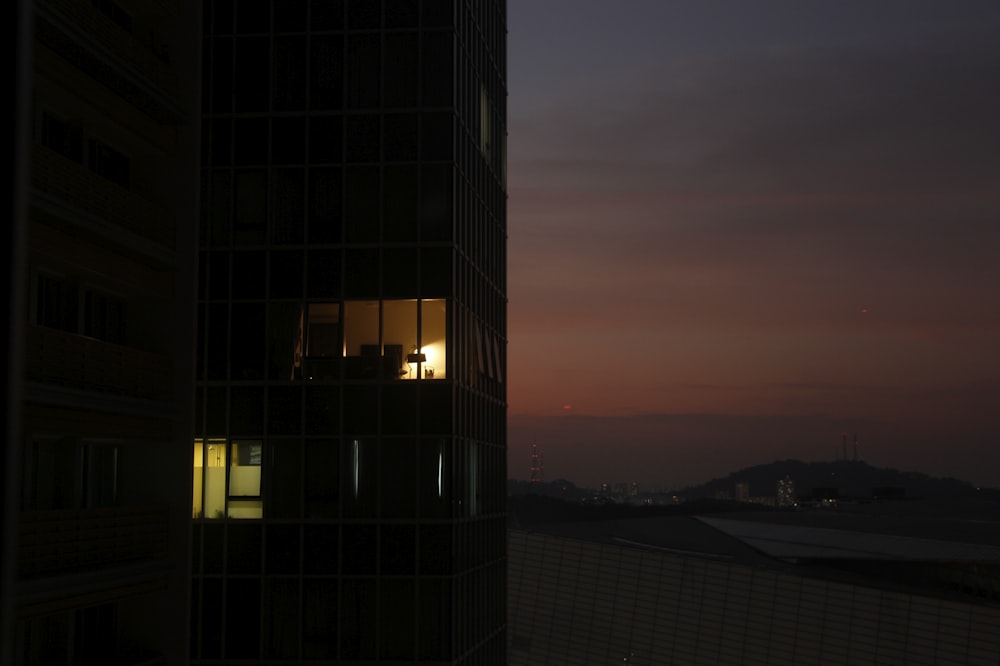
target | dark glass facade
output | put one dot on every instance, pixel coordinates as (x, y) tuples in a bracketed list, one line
[(349, 461)]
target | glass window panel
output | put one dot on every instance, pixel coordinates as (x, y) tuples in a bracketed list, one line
[(251, 78), (435, 550), (400, 203), (358, 603), (398, 473), (362, 210), (359, 476), (281, 555), (363, 75), (320, 549), (400, 137), (221, 83), (437, 65), (399, 272), (325, 205), (220, 142), (319, 618), (211, 613), (436, 13), (436, 271), (288, 206), (322, 410), (398, 549), (253, 16), (433, 338), (322, 478), (215, 410), (360, 326), (284, 410), (209, 490), (326, 84), (217, 275), (250, 222), (219, 208), (244, 479), (244, 548), (401, 62), (359, 556), (281, 630), (286, 274), (399, 335), (324, 351), (436, 136), (399, 409), (362, 273), (249, 275), (363, 138), (250, 143), (284, 341), (435, 202), (289, 57), (326, 139), (242, 618), (397, 610), (434, 482), (434, 618), (326, 15), (402, 14), (323, 274), (247, 341), (288, 141), (363, 14), (291, 16)]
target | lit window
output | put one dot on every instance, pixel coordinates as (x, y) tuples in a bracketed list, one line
[(244, 479), (209, 487), (209, 496), (410, 344)]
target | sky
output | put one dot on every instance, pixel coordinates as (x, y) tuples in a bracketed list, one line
[(737, 230)]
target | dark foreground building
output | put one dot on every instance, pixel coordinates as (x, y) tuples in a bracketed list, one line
[(867, 584), (100, 332), (349, 462)]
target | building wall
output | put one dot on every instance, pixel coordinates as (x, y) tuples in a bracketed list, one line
[(349, 462), (577, 602), (107, 300)]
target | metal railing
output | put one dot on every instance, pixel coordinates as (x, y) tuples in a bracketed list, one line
[(68, 359), (80, 187), (58, 541)]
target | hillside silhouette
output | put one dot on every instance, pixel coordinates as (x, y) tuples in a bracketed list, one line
[(851, 478)]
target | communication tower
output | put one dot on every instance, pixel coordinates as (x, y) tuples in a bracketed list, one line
[(537, 465)]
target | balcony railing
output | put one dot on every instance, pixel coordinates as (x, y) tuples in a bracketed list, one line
[(80, 187), (67, 359), (60, 541), (125, 48)]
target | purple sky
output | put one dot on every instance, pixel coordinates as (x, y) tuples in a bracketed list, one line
[(738, 229)]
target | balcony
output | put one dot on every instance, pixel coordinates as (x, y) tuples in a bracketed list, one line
[(60, 541), (82, 22), (81, 188), (76, 361)]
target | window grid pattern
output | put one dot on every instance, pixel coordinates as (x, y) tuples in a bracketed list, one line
[(338, 167)]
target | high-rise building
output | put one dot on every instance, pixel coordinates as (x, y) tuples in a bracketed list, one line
[(349, 465), (100, 339), (786, 491)]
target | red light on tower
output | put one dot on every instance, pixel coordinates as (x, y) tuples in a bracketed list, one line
[(537, 468)]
